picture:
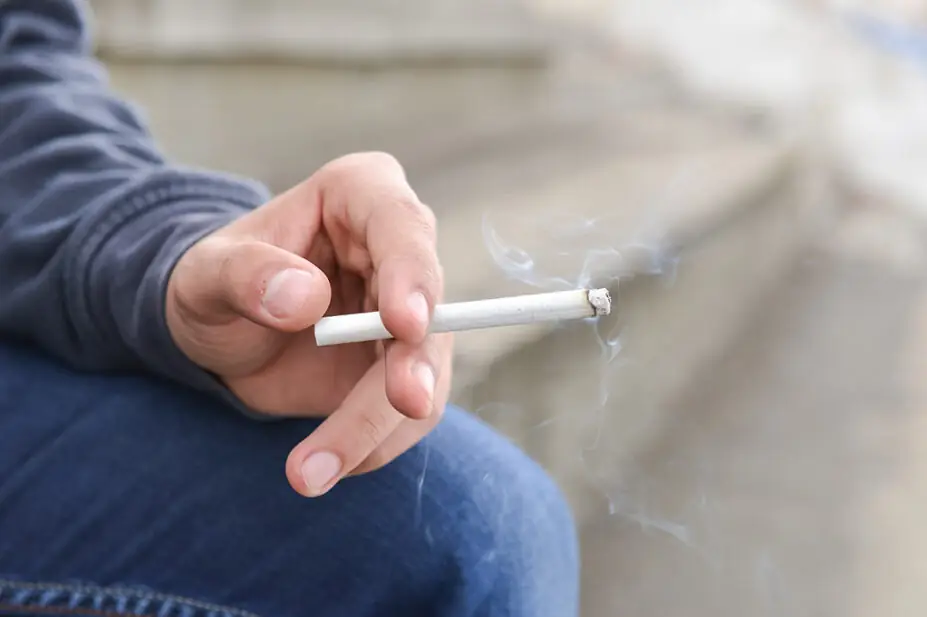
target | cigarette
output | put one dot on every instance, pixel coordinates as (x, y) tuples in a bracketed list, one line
[(460, 316)]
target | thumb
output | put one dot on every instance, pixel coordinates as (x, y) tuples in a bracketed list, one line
[(255, 280)]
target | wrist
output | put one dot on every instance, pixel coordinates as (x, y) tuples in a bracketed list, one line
[(121, 276)]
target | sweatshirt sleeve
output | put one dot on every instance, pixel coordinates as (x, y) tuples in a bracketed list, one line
[(92, 217)]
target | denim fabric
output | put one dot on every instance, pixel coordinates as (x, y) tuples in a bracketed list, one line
[(18, 597), (129, 496)]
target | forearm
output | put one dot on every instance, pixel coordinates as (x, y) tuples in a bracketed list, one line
[(92, 219)]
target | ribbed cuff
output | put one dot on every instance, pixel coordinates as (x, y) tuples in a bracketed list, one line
[(127, 263)]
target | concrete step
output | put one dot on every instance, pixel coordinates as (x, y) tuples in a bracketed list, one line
[(280, 121), (792, 482), (690, 221), (609, 219), (354, 32)]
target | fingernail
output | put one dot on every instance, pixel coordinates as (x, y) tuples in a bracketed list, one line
[(287, 292), (319, 470), (419, 307), (426, 377)]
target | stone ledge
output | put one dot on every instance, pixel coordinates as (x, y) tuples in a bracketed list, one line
[(736, 226), (338, 32), (280, 122), (615, 193)]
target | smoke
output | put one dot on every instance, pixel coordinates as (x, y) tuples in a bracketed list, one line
[(600, 263), (581, 252)]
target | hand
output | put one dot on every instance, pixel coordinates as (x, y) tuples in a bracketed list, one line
[(241, 303)]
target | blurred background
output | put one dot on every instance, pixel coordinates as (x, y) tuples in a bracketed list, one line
[(747, 434)]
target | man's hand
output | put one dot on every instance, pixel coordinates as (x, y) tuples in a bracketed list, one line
[(242, 302)]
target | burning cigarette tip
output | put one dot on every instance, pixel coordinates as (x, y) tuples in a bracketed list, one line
[(601, 302)]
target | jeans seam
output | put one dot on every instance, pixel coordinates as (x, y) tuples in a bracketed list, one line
[(58, 610), (111, 591)]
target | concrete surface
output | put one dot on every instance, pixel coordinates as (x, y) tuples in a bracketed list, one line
[(556, 390), (280, 122), (850, 72), (793, 480), (372, 32)]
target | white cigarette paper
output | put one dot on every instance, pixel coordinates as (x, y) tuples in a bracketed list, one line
[(456, 317)]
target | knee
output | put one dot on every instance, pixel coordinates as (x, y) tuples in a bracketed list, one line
[(502, 520), (463, 524)]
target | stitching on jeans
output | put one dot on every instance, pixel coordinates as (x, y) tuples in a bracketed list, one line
[(138, 593), (55, 610)]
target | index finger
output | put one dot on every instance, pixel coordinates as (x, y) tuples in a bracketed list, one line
[(370, 192)]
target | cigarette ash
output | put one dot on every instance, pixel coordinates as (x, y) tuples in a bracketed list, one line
[(601, 302)]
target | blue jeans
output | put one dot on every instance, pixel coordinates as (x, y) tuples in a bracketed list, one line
[(129, 496)]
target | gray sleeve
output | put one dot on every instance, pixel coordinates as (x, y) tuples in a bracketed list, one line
[(92, 218)]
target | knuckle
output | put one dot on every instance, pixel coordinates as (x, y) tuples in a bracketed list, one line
[(412, 219), (363, 162), (380, 158), (227, 267), (418, 228), (426, 275), (415, 212), (372, 432), (235, 266)]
